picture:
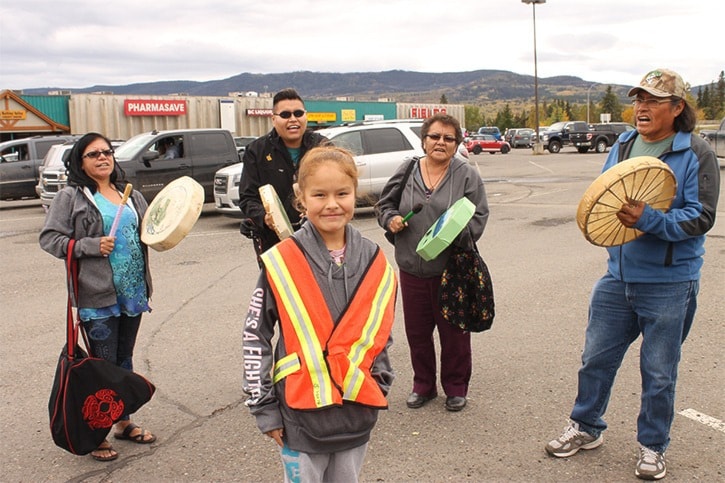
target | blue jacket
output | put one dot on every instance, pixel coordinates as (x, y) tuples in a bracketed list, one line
[(673, 244)]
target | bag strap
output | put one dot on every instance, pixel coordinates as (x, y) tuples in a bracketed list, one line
[(71, 333), (403, 182), (406, 175), (72, 328)]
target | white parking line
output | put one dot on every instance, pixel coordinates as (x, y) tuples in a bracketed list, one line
[(542, 167), (704, 419)]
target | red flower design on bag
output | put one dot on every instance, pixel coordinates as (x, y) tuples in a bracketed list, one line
[(101, 409)]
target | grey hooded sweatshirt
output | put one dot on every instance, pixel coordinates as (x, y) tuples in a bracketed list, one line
[(324, 430), (74, 214), (460, 180)]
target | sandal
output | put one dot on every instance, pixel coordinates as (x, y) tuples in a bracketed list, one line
[(107, 450), (140, 438)]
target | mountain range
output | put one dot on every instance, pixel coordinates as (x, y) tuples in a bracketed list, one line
[(480, 87)]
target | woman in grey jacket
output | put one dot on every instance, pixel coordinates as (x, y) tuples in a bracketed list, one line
[(114, 282), (437, 180)]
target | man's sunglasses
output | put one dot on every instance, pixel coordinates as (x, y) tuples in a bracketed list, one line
[(298, 113)]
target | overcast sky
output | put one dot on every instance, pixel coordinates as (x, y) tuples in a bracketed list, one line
[(81, 43)]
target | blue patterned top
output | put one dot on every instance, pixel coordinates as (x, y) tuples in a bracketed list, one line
[(127, 263)]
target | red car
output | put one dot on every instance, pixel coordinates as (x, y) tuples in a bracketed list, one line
[(479, 143)]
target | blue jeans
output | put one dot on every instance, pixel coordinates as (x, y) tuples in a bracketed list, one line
[(618, 313), (113, 339)]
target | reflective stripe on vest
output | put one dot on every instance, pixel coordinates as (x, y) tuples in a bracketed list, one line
[(315, 377)]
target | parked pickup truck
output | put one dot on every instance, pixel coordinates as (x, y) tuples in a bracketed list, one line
[(598, 137), (557, 135), (198, 153), (717, 140)]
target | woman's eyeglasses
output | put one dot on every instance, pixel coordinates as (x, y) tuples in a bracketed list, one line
[(298, 113), (437, 137), (96, 154)]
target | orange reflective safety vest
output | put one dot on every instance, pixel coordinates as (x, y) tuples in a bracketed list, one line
[(327, 363)]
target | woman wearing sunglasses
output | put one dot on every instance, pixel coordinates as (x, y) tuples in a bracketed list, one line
[(436, 181), (114, 282)]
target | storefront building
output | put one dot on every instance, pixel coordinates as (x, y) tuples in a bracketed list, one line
[(123, 116)]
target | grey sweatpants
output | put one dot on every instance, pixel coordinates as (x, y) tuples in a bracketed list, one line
[(338, 467)]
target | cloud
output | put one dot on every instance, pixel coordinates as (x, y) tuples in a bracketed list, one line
[(83, 43)]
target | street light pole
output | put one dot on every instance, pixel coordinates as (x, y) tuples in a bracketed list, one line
[(537, 144), (588, 90)]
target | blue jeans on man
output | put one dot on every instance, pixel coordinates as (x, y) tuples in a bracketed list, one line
[(618, 313)]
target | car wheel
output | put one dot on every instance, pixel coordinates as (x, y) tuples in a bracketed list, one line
[(477, 149), (582, 149), (554, 147), (505, 149), (601, 146)]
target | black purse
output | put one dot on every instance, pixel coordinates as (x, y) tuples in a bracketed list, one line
[(89, 394), (465, 295)]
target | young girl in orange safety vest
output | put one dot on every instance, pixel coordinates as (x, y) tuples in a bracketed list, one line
[(332, 293)]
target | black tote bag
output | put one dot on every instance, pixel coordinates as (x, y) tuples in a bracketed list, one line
[(465, 295), (89, 394)]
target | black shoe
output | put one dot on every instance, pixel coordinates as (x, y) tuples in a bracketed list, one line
[(416, 401), (455, 403)]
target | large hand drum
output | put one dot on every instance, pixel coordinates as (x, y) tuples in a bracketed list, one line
[(273, 207), (643, 178), (172, 214)]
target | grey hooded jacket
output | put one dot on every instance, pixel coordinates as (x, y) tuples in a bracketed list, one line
[(311, 431), (460, 180), (74, 214)]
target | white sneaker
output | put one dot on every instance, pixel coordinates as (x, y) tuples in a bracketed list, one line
[(572, 440), (651, 464)]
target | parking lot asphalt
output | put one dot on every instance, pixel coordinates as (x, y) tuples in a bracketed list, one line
[(524, 377)]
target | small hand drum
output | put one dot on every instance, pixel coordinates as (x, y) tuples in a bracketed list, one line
[(445, 229), (172, 214), (644, 178), (273, 206)]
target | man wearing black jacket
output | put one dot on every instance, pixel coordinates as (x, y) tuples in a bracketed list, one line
[(273, 159)]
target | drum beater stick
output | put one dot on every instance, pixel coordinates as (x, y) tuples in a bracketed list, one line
[(117, 219)]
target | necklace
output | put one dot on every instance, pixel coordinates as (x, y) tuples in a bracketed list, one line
[(430, 179)]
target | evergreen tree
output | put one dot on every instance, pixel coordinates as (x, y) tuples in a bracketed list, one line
[(704, 102), (720, 96), (444, 99), (610, 104), (504, 119), (474, 119)]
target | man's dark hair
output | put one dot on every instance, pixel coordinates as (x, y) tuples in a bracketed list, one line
[(687, 120), (288, 94)]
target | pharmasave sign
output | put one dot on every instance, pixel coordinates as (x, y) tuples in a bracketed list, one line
[(154, 107)]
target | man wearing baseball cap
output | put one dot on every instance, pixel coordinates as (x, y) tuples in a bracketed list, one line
[(651, 285)]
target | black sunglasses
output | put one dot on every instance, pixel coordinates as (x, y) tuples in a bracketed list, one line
[(95, 154), (298, 113), (437, 137)]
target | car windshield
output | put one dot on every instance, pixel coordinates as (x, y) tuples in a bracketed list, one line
[(128, 149), (53, 158), (557, 126)]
